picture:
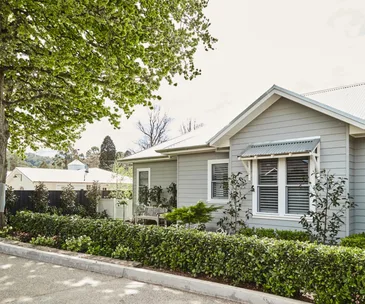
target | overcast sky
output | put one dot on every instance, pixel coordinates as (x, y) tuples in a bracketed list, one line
[(299, 45)]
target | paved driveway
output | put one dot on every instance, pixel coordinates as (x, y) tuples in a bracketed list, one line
[(28, 281)]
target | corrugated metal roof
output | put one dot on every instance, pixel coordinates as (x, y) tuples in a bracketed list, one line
[(72, 176), (194, 138), (349, 99), (346, 101), (281, 147)]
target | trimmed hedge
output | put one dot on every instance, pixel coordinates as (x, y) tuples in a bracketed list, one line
[(289, 235), (286, 268), (354, 240)]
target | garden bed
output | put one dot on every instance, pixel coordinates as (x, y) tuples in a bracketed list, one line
[(288, 268)]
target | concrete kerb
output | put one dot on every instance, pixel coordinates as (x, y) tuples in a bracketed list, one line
[(148, 276)]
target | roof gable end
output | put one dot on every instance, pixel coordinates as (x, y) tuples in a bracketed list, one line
[(269, 98)]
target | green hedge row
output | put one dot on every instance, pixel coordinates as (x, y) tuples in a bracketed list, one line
[(354, 240), (288, 235), (287, 268)]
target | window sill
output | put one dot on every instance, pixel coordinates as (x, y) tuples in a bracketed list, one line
[(217, 201), (277, 217)]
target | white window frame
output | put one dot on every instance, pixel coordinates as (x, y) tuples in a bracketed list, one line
[(282, 199), (149, 181), (209, 195)]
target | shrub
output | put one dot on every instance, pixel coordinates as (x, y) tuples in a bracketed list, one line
[(172, 200), (121, 252), (40, 198), (11, 198), (355, 240), (6, 231), (289, 235), (333, 274), (331, 201), (231, 221), (155, 196), (22, 236), (94, 196), (197, 214), (78, 244), (68, 199), (45, 241)]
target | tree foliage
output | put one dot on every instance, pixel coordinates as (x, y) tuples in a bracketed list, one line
[(232, 220), (67, 63), (60, 60), (68, 199), (107, 154), (94, 196), (11, 199), (92, 157), (155, 130)]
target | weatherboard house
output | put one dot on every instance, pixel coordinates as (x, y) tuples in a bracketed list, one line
[(79, 176), (277, 142)]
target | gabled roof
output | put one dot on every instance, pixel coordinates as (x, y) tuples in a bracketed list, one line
[(71, 176), (334, 106), (346, 103), (192, 140), (76, 162)]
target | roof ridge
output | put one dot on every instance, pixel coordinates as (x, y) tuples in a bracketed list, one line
[(334, 89)]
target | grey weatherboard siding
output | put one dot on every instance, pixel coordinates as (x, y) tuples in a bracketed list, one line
[(359, 185), (193, 177), (162, 174), (288, 120)]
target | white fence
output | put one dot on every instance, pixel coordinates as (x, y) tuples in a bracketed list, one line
[(115, 211)]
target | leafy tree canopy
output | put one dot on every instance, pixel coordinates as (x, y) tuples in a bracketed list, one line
[(61, 61), (67, 63)]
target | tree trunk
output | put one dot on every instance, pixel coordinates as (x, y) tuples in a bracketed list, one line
[(4, 137)]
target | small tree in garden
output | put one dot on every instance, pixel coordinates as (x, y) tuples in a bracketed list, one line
[(330, 200), (40, 198), (94, 196), (197, 214), (11, 199), (68, 200), (155, 197), (231, 221), (172, 200), (143, 196)]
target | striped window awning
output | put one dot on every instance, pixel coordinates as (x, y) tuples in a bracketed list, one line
[(283, 148)]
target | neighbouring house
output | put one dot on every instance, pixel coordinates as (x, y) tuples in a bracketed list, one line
[(77, 174), (278, 141)]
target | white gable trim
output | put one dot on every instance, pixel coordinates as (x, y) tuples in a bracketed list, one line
[(268, 99)]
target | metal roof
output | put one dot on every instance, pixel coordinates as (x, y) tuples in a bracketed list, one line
[(193, 139), (346, 102), (72, 176), (281, 147), (349, 98)]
